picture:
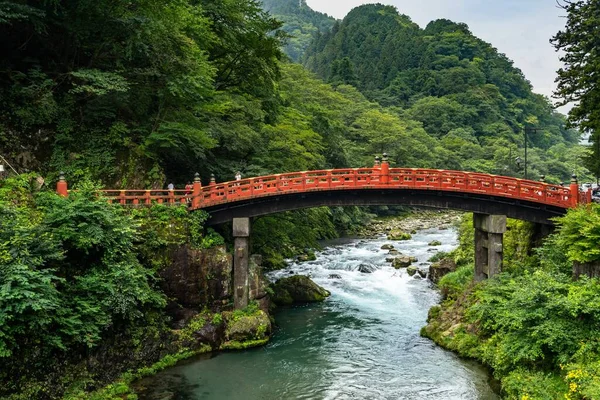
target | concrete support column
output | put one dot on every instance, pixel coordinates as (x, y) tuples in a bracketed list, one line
[(489, 233), (241, 234)]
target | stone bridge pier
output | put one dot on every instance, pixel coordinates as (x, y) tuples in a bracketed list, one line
[(241, 255), (489, 234)]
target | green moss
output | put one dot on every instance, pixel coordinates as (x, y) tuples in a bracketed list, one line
[(399, 235), (217, 319), (237, 345), (196, 324), (281, 296)]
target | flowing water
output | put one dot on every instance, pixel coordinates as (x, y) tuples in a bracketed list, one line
[(362, 343)]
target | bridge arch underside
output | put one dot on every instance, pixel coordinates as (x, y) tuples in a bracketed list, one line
[(469, 202)]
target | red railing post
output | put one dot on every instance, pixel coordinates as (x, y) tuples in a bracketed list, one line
[(122, 199), (574, 191), (385, 170), (62, 188), (213, 184), (147, 197), (196, 189)]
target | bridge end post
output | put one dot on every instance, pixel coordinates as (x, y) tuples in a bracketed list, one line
[(574, 191), (196, 189), (489, 235), (241, 234), (62, 188), (385, 169)]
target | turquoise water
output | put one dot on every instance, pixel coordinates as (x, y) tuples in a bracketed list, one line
[(362, 343)]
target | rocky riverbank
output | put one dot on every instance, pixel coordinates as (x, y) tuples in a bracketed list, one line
[(410, 223)]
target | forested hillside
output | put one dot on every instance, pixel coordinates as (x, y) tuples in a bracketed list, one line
[(300, 22), (459, 87)]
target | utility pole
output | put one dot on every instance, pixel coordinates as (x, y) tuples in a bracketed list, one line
[(528, 129)]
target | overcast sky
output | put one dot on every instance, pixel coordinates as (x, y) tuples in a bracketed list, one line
[(521, 29)]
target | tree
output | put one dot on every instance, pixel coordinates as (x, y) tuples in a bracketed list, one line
[(579, 80)]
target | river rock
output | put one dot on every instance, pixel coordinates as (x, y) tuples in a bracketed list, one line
[(297, 289), (414, 259), (387, 247), (422, 273), (196, 278), (398, 235), (389, 259), (401, 262), (334, 276), (441, 268), (366, 268), (245, 328), (393, 252), (411, 270), (435, 243)]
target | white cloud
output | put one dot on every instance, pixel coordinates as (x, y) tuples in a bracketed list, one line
[(521, 29)]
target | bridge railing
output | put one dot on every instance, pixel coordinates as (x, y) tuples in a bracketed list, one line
[(355, 178)]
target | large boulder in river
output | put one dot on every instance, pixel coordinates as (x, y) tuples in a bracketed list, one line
[(401, 262), (366, 268), (411, 270), (440, 269), (297, 289)]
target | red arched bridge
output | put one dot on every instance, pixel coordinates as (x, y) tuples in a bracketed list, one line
[(491, 198), (469, 191)]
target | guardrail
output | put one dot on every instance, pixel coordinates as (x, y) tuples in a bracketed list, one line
[(356, 179)]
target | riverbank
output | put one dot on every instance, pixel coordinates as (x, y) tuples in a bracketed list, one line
[(533, 325)]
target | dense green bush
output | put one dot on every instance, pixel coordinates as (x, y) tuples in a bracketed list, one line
[(536, 327)]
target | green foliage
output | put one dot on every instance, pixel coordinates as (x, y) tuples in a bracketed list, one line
[(440, 255), (534, 325), (285, 235), (129, 94), (577, 80), (579, 234), (454, 284), (64, 273), (300, 22)]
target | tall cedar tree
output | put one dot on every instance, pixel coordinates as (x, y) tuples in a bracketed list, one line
[(579, 82)]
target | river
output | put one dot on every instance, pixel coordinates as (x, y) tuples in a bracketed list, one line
[(362, 343)]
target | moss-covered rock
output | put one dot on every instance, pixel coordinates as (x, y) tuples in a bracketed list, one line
[(435, 243), (398, 235), (246, 328), (441, 268), (401, 262), (297, 289), (411, 270)]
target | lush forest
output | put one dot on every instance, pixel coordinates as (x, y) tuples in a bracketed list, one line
[(464, 93), (138, 95), (301, 23)]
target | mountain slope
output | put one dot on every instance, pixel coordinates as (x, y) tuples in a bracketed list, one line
[(301, 23), (458, 86)]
